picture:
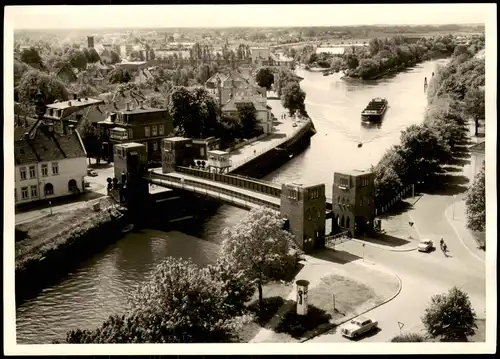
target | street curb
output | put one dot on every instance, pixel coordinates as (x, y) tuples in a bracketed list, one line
[(382, 247), (450, 222), (344, 320)]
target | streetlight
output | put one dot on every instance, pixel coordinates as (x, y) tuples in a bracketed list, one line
[(454, 199)]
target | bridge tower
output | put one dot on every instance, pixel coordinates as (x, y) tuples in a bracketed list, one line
[(305, 209), (130, 162), (353, 201)]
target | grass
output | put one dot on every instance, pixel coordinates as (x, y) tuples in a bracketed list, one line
[(478, 337), (48, 233), (279, 313), (480, 238)]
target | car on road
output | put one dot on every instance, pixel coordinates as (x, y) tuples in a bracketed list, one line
[(91, 172), (358, 326), (294, 124), (425, 245)]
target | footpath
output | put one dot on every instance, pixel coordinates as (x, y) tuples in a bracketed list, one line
[(385, 283)]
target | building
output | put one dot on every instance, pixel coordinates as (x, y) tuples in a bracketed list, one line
[(48, 165), (90, 42), (132, 66), (279, 59), (143, 125), (262, 112), (260, 55), (304, 209), (175, 151), (201, 147), (353, 201), (72, 112), (225, 87)]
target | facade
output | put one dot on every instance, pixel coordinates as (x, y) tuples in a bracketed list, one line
[(201, 147), (48, 165), (263, 114), (143, 125), (304, 208), (73, 112), (353, 201), (260, 55), (175, 151)]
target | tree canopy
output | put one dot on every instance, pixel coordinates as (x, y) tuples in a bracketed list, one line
[(475, 202), (293, 99), (179, 303), (450, 316), (258, 246), (51, 88), (264, 77), (247, 116)]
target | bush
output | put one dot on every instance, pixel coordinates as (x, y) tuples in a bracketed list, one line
[(408, 338)]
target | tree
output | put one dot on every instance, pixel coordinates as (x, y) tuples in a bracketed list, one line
[(78, 59), (475, 202), (474, 105), (422, 151), (91, 139), (179, 303), (203, 73), (293, 98), (450, 316), (119, 76), (264, 77), (93, 56), (32, 57), (52, 89), (157, 100), (248, 119), (258, 246), (20, 68), (387, 184)]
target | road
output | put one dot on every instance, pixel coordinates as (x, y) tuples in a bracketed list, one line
[(422, 274)]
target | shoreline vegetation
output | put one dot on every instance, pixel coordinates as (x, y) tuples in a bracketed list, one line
[(382, 56), (427, 152)]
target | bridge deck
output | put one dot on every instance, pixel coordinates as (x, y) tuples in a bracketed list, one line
[(241, 196)]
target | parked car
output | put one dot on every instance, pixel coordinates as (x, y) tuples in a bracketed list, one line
[(358, 326), (87, 184), (425, 245), (294, 124), (91, 172)]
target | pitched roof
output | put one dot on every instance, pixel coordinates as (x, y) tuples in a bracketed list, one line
[(80, 102), (26, 126), (43, 145), (235, 102)]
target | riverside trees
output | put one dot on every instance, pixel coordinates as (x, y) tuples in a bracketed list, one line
[(475, 202), (258, 246), (293, 98)]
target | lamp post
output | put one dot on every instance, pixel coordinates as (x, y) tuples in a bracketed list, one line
[(454, 199)]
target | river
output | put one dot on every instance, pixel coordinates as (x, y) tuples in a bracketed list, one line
[(102, 284)]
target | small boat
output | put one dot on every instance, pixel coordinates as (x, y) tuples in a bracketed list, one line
[(375, 110), (360, 144), (127, 228)]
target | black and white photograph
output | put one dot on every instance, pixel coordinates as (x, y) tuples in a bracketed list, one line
[(288, 178)]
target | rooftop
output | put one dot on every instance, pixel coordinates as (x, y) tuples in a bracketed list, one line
[(218, 152), (131, 63), (75, 103), (177, 139), (130, 145), (142, 110), (353, 172)]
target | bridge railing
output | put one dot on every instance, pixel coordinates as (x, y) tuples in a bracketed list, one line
[(213, 191), (233, 180)]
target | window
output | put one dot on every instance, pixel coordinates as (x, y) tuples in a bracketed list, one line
[(45, 170), (293, 194), (202, 151), (344, 182), (130, 133), (155, 146), (364, 182), (34, 191), (368, 201), (55, 168), (146, 131), (32, 172), (161, 129), (154, 130), (24, 192), (22, 171), (314, 194), (48, 189)]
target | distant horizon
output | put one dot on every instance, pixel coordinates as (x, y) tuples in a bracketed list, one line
[(248, 27), (243, 16)]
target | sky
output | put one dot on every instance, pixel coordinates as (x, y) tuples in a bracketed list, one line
[(67, 17)]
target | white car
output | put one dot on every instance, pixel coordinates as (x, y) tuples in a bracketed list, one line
[(425, 245), (358, 326)]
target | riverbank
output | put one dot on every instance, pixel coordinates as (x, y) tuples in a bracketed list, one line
[(45, 247)]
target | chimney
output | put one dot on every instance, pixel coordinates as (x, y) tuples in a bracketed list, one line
[(74, 96), (128, 106), (142, 104)]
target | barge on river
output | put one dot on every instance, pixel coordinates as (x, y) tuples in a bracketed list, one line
[(375, 110)]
